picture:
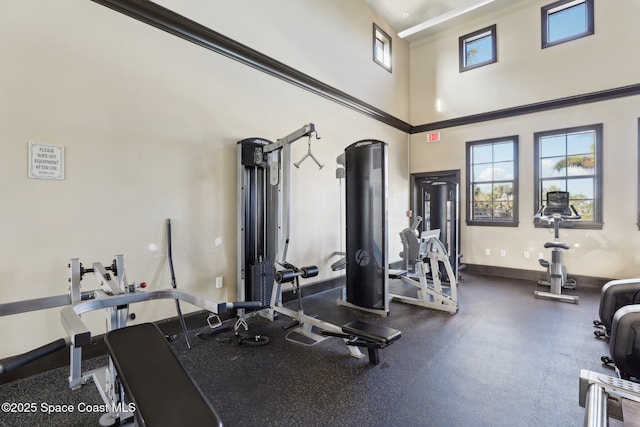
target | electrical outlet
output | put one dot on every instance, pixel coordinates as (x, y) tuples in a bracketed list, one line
[(540, 255), (218, 282), (503, 252), (487, 251), (525, 255)]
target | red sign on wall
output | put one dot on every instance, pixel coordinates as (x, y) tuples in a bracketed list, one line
[(433, 137)]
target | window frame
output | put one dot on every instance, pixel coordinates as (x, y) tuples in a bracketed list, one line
[(463, 40), (548, 10), (514, 222), (597, 222), (638, 170), (380, 35)]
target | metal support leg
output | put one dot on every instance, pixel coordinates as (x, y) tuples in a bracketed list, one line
[(602, 397), (596, 407)]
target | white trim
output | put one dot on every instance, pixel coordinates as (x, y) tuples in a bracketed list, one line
[(565, 6), (443, 18)]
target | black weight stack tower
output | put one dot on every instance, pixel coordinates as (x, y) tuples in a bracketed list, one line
[(366, 225)]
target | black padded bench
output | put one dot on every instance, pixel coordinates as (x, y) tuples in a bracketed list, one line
[(155, 381), (373, 337)]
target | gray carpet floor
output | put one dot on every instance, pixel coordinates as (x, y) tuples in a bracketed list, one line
[(505, 359)]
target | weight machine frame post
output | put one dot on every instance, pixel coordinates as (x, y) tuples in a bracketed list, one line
[(117, 318), (279, 166), (284, 145), (275, 152), (75, 353), (306, 322), (105, 377)]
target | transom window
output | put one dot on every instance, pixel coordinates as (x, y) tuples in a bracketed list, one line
[(381, 48), (571, 160), (566, 20), (478, 48), (492, 182)]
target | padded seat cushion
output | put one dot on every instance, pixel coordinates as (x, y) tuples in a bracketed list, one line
[(154, 379), (374, 333), (560, 245)]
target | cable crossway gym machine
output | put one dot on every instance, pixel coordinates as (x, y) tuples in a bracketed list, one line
[(555, 213), (143, 381), (264, 202)]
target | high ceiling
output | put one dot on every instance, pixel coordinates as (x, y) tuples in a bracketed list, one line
[(402, 15)]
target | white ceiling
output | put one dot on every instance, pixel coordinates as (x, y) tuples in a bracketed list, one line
[(404, 14)]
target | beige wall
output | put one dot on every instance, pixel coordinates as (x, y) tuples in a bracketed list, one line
[(329, 40), (525, 74), (610, 252), (150, 122)]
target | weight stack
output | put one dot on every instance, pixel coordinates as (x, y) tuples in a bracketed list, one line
[(366, 224)]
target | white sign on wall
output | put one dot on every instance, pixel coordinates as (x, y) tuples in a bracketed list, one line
[(46, 161)]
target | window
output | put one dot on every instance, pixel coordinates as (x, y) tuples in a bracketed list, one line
[(381, 48), (566, 20), (492, 182), (478, 48), (571, 160)]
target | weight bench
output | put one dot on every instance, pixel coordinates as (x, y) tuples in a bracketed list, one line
[(154, 380), (373, 337)]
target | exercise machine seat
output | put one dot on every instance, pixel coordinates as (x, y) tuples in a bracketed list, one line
[(616, 294), (377, 334), (561, 245), (373, 337), (624, 344), (155, 381)]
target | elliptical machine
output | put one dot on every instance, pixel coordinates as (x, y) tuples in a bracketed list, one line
[(555, 213)]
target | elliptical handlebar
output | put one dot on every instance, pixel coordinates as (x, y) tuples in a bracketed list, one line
[(576, 216), (538, 215), (550, 218), (556, 218)]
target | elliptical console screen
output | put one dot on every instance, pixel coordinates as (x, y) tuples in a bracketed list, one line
[(557, 202)]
